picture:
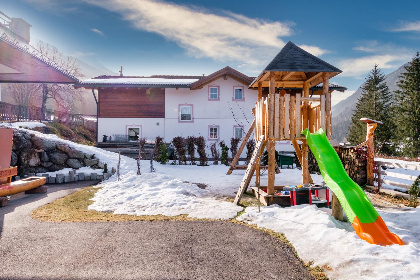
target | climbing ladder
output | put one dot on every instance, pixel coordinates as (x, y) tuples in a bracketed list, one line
[(250, 169)]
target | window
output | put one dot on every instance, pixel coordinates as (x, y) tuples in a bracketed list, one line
[(185, 113), (133, 133), (238, 132), (238, 93), (213, 93), (213, 132)]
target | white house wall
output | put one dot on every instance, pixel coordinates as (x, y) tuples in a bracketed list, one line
[(150, 127)]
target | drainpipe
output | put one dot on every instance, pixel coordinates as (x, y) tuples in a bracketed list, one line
[(97, 112)]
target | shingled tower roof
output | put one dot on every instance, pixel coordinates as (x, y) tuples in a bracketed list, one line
[(293, 67), (293, 58)]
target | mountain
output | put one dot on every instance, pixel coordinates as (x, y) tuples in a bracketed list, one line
[(342, 112)]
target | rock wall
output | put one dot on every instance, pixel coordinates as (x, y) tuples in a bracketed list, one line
[(36, 155)]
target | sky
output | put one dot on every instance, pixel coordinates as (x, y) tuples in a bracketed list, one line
[(195, 37)]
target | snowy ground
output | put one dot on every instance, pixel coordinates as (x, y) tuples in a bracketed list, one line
[(313, 232)]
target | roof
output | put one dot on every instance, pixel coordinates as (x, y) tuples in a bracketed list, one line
[(165, 81), (21, 63), (225, 72), (152, 81), (293, 67), (293, 58)]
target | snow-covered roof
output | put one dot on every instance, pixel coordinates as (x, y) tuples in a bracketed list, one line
[(175, 81)]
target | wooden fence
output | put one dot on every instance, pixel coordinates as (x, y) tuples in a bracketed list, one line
[(13, 113), (9, 112), (395, 170), (280, 117)]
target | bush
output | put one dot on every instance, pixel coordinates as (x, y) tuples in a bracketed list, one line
[(414, 192), (163, 157), (156, 150), (234, 142), (215, 153), (224, 159), (201, 149), (250, 147), (191, 148), (179, 144)]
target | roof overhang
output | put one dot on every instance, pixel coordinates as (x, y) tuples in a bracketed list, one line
[(21, 63)]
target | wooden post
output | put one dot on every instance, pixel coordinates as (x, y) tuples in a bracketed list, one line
[(271, 149), (327, 93), (337, 209), (305, 148), (305, 163), (370, 126), (271, 143), (298, 116), (259, 91), (292, 117), (323, 112)]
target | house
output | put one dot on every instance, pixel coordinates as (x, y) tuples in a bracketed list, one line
[(217, 106)]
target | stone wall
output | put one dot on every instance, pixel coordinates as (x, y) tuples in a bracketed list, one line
[(36, 155)]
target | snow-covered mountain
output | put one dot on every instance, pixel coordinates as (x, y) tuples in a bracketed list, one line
[(342, 112)]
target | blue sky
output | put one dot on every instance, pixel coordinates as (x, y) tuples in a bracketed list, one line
[(197, 37)]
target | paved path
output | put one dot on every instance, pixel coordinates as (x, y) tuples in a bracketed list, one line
[(31, 249)]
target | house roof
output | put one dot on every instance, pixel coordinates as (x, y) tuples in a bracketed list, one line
[(225, 72), (21, 63), (133, 81), (165, 81), (293, 66)]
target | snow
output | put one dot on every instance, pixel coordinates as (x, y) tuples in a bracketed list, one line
[(29, 125), (141, 80), (317, 237)]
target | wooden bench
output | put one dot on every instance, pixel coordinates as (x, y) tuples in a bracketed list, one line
[(32, 184)]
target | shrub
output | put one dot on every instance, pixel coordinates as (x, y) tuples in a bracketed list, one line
[(156, 150), (201, 149), (414, 192), (190, 141), (250, 147), (215, 153), (142, 150), (234, 142), (224, 159), (163, 157), (179, 144)]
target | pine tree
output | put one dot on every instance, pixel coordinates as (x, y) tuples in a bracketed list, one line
[(408, 109), (375, 103)]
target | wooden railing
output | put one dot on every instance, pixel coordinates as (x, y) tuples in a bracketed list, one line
[(280, 117), (392, 174)]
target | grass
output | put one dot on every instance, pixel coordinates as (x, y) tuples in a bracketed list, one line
[(74, 208)]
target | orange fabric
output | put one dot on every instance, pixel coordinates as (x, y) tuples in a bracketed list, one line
[(376, 232)]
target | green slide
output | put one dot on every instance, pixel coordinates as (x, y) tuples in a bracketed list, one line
[(366, 221)]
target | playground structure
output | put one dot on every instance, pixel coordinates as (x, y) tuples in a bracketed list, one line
[(32, 184), (290, 107)]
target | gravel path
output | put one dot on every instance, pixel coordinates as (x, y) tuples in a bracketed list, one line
[(31, 249)]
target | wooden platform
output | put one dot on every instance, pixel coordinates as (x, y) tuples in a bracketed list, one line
[(266, 199)]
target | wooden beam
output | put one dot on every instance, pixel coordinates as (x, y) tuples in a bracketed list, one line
[(299, 156), (298, 115), (286, 116), (292, 116), (259, 90), (305, 116), (305, 163), (325, 91), (323, 112), (315, 77), (277, 122), (271, 149), (287, 76), (241, 148)]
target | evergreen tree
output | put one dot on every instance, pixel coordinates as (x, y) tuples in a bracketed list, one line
[(375, 103), (407, 109)]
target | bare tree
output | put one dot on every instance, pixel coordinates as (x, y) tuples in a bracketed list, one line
[(23, 94)]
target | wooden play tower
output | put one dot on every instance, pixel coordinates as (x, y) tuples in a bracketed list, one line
[(290, 99)]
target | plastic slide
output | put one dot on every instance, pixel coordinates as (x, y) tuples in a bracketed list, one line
[(366, 221)]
